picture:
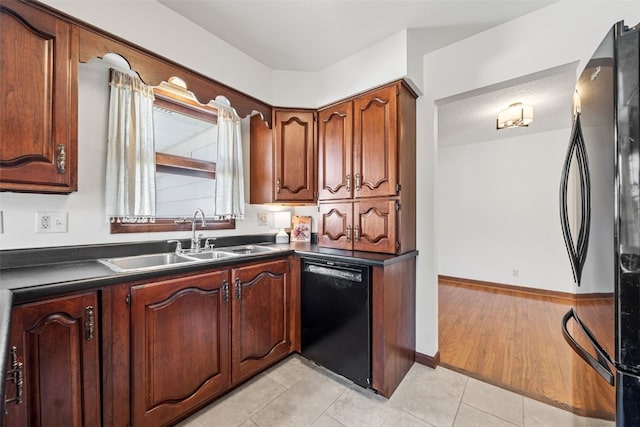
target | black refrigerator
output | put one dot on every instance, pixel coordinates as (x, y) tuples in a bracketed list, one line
[(600, 217)]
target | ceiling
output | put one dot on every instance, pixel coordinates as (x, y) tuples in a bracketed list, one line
[(471, 117), (310, 35)]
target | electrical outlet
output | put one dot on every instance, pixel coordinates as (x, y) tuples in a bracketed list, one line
[(263, 218), (51, 222), (515, 273)]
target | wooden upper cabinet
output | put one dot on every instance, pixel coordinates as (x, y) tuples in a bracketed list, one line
[(38, 90), (367, 172), (262, 317), (283, 159), (335, 152), (335, 225), (58, 344), (180, 346), (374, 226), (294, 156), (375, 144), (358, 147), (366, 225)]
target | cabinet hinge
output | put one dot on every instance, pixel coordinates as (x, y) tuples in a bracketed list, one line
[(397, 245), (315, 194), (315, 117), (397, 206), (397, 91), (128, 299), (398, 188)]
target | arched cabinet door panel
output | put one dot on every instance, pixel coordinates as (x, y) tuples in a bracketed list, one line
[(335, 152), (54, 363), (294, 155), (375, 226), (38, 93), (261, 317), (180, 345), (375, 144)]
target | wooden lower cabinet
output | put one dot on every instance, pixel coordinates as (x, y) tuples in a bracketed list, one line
[(194, 337), (179, 346), (262, 307), (57, 342), (393, 329)]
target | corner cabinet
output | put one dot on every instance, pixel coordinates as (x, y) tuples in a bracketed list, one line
[(283, 159), (54, 363), (366, 171), (38, 90)]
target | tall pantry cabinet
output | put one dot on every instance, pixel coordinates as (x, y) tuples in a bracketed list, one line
[(366, 171)]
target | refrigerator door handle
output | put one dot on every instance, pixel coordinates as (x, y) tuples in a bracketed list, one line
[(577, 251), (600, 364)]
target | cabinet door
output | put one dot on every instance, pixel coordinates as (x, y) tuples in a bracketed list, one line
[(335, 225), (335, 144), (261, 320), (179, 346), (58, 344), (374, 226), (38, 90), (294, 154), (375, 144)]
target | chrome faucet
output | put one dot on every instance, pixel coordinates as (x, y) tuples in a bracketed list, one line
[(195, 241)]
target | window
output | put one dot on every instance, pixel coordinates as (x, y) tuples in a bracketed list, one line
[(185, 134)]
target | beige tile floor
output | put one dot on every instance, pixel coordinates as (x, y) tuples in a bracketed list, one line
[(298, 393)]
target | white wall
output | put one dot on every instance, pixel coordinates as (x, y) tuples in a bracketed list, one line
[(497, 211), (87, 223), (380, 63), (159, 29), (559, 34)]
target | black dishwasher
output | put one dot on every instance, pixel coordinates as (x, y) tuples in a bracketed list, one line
[(336, 317)]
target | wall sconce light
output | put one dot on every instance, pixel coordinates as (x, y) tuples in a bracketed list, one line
[(517, 115), (282, 220)]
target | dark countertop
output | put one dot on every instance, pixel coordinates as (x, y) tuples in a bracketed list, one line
[(35, 274)]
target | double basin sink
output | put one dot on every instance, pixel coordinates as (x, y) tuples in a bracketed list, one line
[(156, 261)]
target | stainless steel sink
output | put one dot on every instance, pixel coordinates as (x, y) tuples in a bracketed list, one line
[(158, 261), (210, 255), (246, 249), (145, 262)]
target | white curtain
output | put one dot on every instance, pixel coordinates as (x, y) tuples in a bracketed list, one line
[(131, 166), (229, 174)]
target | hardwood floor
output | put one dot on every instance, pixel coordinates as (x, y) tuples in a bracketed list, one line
[(513, 339)]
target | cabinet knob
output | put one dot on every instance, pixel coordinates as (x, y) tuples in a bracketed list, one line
[(238, 288), (225, 292), (348, 233), (89, 323), (358, 182), (356, 233), (61, 159), (348, 183), (15, 376)]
